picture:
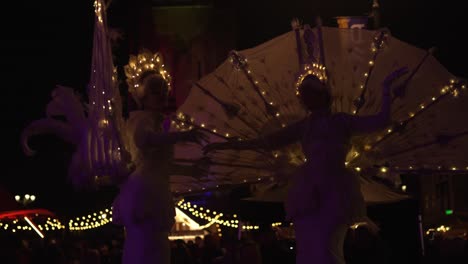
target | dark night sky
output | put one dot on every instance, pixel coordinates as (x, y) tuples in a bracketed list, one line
[(49, 43)]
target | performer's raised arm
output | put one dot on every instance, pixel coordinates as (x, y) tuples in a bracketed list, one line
[(372, 123)]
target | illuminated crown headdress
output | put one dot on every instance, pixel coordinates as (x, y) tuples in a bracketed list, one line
[(313, 69), (138, 65)]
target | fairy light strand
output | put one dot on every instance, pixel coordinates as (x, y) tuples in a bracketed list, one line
[(377, 46), (451, 88), (91, 221), (241, 64), (210, 215), (184, 122)]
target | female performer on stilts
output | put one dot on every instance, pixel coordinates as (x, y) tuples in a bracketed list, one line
[(325, 197), (145, 204)]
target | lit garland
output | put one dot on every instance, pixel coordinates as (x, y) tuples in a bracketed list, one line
[(213, 216), (104, 217), (91, 221), (241, 63), (441, 228), (184, 122), (18, 225), (377, 46), (276, 224), (98, 10), (453, 87)]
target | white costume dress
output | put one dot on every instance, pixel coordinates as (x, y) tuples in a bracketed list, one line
[(145, 205)]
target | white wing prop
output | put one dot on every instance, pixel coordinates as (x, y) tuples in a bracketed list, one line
[(252, 93)]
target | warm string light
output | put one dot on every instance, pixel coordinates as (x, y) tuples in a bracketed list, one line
[(452, 87), (106, 98), (184, 122), (241, 63), (276, 224), (98, 10), (213, 216), (377, 46), (91, 221), (21, 224), (441, 229)]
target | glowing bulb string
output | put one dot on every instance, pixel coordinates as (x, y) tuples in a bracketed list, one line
[(240, 117), (98, 11), (241, 64), (276, 95), (181, 119), (377, 46), (15, 225), (226, 135), (254, 122), (209, 215), (201, 127), (91, 221), (453, 86)]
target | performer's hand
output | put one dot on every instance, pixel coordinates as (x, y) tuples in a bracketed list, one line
[(392, 77)]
